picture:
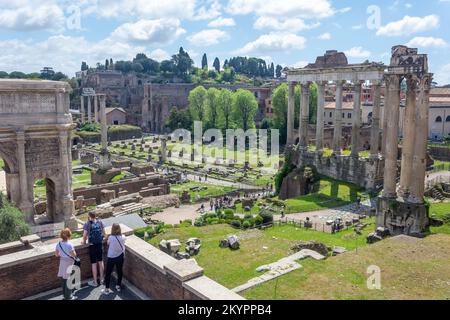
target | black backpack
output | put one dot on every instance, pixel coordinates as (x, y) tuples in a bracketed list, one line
[(95, 232)]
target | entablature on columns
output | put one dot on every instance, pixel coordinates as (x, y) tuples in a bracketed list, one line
[(354, 73)]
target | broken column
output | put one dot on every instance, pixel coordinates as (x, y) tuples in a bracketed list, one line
[(320, 116), (105, 157), (304, 116), (290, 114), (375, 130)]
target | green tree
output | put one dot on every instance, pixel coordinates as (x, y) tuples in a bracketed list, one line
[(197, 98), (107, 64), (183, 63), (12, 222), (245, 107), (212, 107), (84, 66), (204, 62), (179, 119), (167, 66), (137, 67), (278, 71), (216, 64), (17, 75), (225, 103), (228, 75), (280, 106)]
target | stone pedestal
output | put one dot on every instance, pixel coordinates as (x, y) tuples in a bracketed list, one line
[(401, 217)]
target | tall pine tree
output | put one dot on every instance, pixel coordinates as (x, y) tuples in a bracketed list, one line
[(204, 62), (216, 64)]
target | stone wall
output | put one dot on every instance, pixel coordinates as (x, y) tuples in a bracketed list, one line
[(366, 173), (131, 186), (27, 273), (442, 154)]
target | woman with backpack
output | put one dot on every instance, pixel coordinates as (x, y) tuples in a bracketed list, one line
[(116, 252), (67, 257), (93, 232)]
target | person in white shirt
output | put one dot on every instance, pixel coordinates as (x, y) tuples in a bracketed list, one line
[(66, 253), (116, 252)]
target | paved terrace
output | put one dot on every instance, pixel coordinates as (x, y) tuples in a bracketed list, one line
[(28, 269)]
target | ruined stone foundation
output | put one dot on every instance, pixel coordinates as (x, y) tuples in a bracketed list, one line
[(401, 217)]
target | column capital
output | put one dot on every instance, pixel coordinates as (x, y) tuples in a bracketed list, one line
[(425, 81)]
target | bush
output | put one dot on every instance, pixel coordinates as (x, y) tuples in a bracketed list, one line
[(229, 213), (259, 220), (123, 132), (12, 222), (140, 232), (266, 216), (236, 223), (199, 222), (248, 216), (246, 224)]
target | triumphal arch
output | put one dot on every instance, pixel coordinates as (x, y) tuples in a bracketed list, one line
[(35, 126)]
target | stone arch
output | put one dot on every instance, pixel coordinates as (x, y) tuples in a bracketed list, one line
[(35, 143)]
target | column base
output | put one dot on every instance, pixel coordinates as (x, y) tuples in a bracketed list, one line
[(402, 217)]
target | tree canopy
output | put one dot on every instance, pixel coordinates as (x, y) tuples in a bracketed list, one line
[(12, 222)]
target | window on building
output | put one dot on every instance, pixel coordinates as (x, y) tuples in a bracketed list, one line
[(439, 119), (349, 115), (343, 115), (331, 114), (116, 122), (447, 119)]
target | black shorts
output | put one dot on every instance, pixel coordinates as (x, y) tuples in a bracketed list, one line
[(96, 252)]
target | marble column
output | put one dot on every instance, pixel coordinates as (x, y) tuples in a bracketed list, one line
[(89, 109), (82, 108), (290, 113), (385, 117), (105, 159), (25, 203), (304, 116), (409, 127), (375, 129), (356, 123), (95, 108), (320, 115), (392, 107), (337, 134), (420, 140)]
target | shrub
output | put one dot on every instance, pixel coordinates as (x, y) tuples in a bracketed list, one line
[(246, 224), (248, 216), (229, 213), (199, 222), (266, 216), (140, 232), (259, 220), (236, 223), (12, 222)]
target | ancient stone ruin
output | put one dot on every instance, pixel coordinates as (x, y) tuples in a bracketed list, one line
[(35, 126)]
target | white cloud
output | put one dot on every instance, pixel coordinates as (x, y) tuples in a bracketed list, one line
[(409, 25), (357, 53), (160, 31), (442, 76), (148, 9), (208, 37), (209, 10), (222, 22), (63, 53), (425, 42), (290, 24), (317, 9), (324, 36), (159, 55), (30, 16), (273, 42)]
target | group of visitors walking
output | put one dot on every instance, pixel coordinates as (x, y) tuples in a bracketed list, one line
[(94, 235)]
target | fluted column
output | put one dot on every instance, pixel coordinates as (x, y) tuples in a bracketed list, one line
[(95, 109), (304, 115), (290, 113), (392, 107), (409, 127), (420, 140), (82, 108), (104, 125), (319, 117), (356, 123), (385, 117), (337, 135), (375, 129), (89, 109)]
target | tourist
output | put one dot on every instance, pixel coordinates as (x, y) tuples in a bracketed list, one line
[(116, 253), (93, 232), (66, 253)]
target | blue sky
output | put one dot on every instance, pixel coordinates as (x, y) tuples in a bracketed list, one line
[(61, 34)]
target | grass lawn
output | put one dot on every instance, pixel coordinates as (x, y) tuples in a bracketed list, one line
[(410, 269), (440, 210), (332, 193), (233, 268), (211, 191), (2, 163), (78, 181)]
